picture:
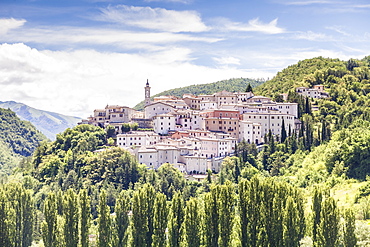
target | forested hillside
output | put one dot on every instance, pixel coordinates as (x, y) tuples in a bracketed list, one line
[(305, 187), (231, 85), (49, 123), (17, 138)]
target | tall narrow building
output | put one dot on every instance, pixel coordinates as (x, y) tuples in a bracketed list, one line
[(147, 93)]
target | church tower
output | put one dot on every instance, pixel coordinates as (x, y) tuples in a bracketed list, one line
[(147, 93)]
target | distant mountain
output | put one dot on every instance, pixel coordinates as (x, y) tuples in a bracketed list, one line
[(49, 123), (231, 85)]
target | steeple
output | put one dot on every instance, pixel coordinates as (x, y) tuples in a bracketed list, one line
[(147, 93)]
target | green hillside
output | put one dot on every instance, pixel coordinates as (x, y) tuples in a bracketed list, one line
[(49, 123), (231, 85), (17, 138)]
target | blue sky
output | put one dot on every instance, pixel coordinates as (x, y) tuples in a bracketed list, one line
[(74, 56)]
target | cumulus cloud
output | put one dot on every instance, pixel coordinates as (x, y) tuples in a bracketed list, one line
[(77, 82), (254, 25), (9, 24), (154, 18)]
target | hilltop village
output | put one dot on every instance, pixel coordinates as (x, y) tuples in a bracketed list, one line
[(195, 133)]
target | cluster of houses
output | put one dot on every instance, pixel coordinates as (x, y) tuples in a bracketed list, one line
[(195, 133)]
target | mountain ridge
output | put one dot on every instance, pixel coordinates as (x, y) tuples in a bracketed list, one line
[(49, 123)]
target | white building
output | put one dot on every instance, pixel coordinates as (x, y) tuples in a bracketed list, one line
[(317, 92), (251, 132), (137, 138), (271, 121), (163, 123)]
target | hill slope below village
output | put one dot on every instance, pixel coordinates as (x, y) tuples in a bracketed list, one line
[(49, 123), (231, 85)]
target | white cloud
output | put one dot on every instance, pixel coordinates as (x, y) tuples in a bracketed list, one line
[(227, 60), (309, 2), (68, 36), (9, 24), (312, 36), (254, 25), (154, 18), (77, 82), (171, 1), (338, 29)]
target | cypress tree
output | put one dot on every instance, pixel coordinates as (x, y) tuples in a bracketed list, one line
[(211, 231), (85, 217), (104, 222), (122, 221), (283, 132), (71, 216), (249, 88)]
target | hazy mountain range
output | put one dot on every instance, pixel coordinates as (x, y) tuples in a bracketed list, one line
[(49, 123)]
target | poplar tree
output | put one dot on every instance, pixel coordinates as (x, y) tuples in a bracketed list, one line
[(85, 217), (226, 213), (122, 209), (176, 220), (104, 222), (71, 216), (329, 224), (142, 216), (349, 237), (316, 213), (211, 215), (22, 203), (49, 226), (291, 221), (160, 220), (5, 238), (192, 228)]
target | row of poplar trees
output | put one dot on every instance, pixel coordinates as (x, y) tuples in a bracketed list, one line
[(256, 212)]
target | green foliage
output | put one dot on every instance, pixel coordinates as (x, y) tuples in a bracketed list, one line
[(231, 85), (17, 138)]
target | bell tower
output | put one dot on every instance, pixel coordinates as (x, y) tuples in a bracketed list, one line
[(147, 93)]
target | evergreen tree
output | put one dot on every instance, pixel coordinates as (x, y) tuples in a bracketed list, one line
[(122, 209), (160, 220), (176, 220), (85, 217), (104, 222), (71, 216), (192, 227), (49, 226), (349, 237), (249, 88), (283, 134), (329, 224)]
